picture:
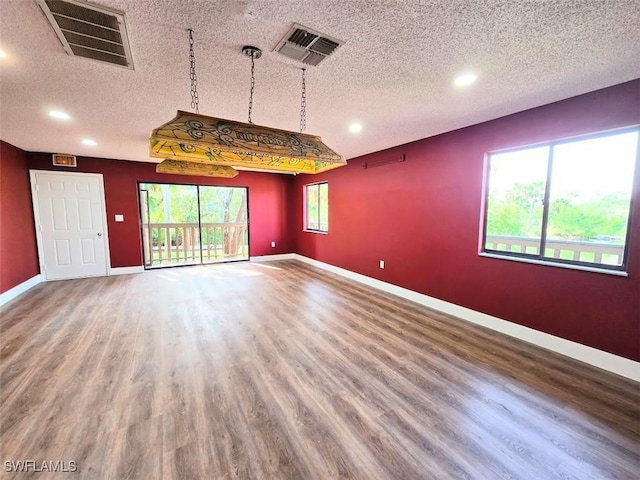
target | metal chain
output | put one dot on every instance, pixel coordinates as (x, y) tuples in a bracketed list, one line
[(303, 103), (192, 75), (253, 84)]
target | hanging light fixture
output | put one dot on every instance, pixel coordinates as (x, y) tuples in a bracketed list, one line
[(179, 167), (199, 139), (254, 53), (303, 103)]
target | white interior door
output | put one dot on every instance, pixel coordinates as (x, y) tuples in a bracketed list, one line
[(70, 222)]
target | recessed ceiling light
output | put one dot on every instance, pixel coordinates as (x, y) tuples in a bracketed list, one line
[(89, 142), (465, 79), (59, 114), (3, 54), (355, 127)]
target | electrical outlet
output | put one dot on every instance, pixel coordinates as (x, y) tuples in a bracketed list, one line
[(273, 244), (381, 263)]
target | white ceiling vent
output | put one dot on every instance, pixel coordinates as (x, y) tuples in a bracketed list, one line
[(306, 45), (90, 31)]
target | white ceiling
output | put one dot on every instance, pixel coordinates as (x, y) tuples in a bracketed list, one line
[(394, 74)]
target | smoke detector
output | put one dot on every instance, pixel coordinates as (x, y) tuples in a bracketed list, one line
[(90, 31), (307, 46)]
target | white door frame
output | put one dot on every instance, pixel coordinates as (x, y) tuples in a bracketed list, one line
[(36, 216)]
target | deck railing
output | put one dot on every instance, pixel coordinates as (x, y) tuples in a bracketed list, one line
[(606, 253), (318, 227), (184, 243)]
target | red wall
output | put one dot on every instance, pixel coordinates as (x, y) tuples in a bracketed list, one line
[(18, 251), (422, 217), (268, 200)]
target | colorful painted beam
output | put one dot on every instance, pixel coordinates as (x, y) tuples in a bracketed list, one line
[(197, 138)]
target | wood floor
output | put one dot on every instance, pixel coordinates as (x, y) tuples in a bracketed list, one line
[(282, 371)]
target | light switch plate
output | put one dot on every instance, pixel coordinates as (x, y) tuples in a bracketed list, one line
[(119, 218)]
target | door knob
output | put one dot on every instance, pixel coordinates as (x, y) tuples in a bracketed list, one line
[(99, 234)]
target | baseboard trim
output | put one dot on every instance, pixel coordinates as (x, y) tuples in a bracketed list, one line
[(126, 270), (20, 289), (268, 258), (598, 358)]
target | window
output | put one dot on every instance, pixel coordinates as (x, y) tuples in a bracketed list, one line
[(317, 207), (565, 202)]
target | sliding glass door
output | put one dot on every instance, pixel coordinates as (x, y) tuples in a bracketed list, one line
[(192, 224), (224, 231)]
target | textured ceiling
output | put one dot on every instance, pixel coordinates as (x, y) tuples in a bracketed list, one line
[(394, 74)]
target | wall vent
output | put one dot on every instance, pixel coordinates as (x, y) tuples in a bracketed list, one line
[(90, 31), (384, 161), (64, 160), (306, 45)]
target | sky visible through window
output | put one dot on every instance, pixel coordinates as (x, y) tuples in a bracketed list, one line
[(587, 168)]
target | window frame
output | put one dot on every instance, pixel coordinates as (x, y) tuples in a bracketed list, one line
[(540, 258), (306, 227)]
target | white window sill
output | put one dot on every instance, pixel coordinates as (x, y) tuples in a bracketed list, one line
[(315, 231), (618, 273)]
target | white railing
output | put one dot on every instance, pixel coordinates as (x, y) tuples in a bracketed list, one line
[(319, 227), (565, 249), (184, 243)]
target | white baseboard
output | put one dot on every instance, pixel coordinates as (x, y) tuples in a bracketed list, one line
[(126, 270), (280, 256), (20, 289), (598, 358)]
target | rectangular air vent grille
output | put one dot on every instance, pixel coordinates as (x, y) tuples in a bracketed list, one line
[(292, 50), (306, 45), (302, 37), (313, 58), (64, 160), (89, 31), (324, 46)]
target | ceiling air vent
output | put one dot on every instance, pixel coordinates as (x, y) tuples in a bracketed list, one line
[(90, 31), (306, 45)]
